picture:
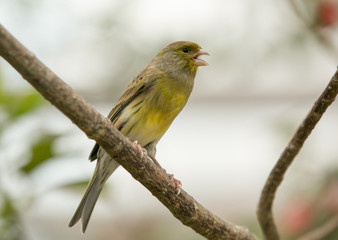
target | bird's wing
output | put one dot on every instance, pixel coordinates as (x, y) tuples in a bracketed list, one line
[(134, 89)]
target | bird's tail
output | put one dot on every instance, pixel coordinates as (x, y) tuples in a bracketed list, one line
[(87, 204)]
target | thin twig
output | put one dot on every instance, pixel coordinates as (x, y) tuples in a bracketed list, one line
[(323, 231), (97, 127), (275, 178)]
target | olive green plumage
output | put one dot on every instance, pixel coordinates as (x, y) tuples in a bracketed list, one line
[(145, 111)]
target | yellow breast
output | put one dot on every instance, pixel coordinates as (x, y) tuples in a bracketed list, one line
[(147, 122)]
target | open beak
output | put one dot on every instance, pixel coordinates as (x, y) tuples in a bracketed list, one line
[(200, 62)]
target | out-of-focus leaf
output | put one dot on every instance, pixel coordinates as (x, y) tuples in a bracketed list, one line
[(15, 104), (18, 104), (10, 228), (7, 209), (41, 152)]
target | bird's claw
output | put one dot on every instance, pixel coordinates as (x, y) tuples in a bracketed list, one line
[(177, 182), (140, 149)]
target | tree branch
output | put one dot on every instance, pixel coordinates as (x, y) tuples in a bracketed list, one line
[(275, 178), (100, 129)]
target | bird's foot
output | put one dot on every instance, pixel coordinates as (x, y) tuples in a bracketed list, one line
[(177, 182), (140, 149)]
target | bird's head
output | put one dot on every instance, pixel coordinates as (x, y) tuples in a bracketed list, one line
[(181, 56)]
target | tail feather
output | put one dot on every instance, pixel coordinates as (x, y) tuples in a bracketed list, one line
[(87, 204), (104, 168)]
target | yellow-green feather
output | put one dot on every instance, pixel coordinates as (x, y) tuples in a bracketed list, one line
[(156, 95), (150, 114), (144, 113)]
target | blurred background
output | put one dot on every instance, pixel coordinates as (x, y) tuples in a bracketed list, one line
[(269, 61)]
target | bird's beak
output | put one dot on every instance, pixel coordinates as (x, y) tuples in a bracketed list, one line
[(200, 62)]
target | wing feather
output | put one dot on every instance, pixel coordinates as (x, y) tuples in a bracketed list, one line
[(134, 89)]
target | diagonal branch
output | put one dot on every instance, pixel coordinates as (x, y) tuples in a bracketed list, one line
[(275, 178), (95, 126)]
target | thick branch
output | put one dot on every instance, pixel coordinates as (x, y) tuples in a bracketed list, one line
[(97, 127), (275, 178)]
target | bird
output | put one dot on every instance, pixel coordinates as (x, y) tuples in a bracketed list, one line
[(144, 112)]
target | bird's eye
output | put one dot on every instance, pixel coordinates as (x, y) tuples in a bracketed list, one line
[(185, 50)]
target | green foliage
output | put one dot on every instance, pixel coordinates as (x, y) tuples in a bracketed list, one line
[(18, 104), (14, 106), (10, 226), (41, 152), (7, 209)]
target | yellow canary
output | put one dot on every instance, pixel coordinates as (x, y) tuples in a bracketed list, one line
[(145, 111)]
